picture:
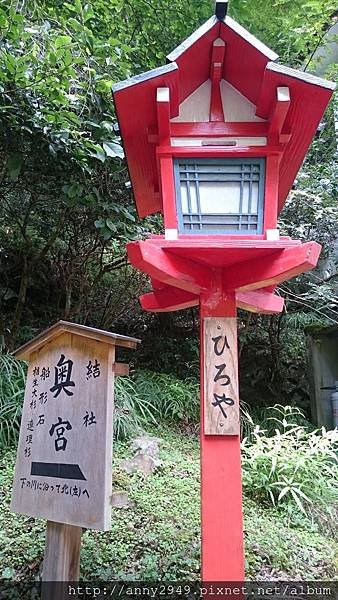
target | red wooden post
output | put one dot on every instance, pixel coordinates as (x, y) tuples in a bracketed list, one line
[(221, 487)]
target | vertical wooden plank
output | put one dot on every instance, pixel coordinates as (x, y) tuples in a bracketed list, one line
[(163, 115), (271, 191), (216, 69), (278, 115), (62, 552), (221, 399), (168, 193), (221, 487), (61, 562)]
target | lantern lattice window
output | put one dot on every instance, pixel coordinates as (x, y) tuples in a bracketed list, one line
[(220, 195)]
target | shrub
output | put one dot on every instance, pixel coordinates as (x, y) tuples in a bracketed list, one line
[(294, 468), (132, 410), (175, 399), (12, 387)]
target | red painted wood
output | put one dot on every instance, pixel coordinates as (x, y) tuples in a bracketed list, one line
[(244, 65), (167, 268), (163, 122), (194, 63), (271, 191), (217, 56), (260, 301), (216, 106), (248, 275), (168, 299), (277, 119), (217, 252), (221, 487), (235, 129), (223, 256), (216, 68), (136, 110), (216, 152), (168, 193), (308, 103)]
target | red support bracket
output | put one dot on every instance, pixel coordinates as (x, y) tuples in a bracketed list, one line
[(260, 301), (286, 264), (278, 114), (163, 115), (168, 299), (216, 70), (168, 268)]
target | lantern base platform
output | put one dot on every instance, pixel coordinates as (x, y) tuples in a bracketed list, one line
[(183, 269)]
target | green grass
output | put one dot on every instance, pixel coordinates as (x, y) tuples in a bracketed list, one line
[(159, 536)]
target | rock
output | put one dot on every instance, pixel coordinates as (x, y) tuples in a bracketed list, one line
[(146, 445), (141, 462), (121, 500)]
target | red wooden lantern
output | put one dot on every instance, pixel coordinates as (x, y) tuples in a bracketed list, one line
[(213, 141)]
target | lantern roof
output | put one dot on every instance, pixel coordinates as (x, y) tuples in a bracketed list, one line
[(250, 78)]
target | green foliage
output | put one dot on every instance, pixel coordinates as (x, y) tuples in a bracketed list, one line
[(133, 409), (159, 537), (66, 213), (12, 385), (277, 549), (176, 400), (292, 28), (295, 469), (59, 61)]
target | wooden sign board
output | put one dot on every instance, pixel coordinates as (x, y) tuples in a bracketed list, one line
[(221, 397), (64, 462)]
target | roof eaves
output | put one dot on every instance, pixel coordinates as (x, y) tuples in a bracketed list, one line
[(270, 54), (163, 70), (194, 37), (302, 75)]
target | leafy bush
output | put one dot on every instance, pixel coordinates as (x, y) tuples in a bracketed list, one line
[(175, 399), (12, 386), (132, 409), (294, 468)]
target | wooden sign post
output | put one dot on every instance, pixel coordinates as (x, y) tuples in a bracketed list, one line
[(63, 470), (214, 140)]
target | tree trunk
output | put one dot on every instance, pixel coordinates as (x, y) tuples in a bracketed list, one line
[(20, 303)]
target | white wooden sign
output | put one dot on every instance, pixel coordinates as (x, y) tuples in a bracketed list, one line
[(63, 468), (221, 397)]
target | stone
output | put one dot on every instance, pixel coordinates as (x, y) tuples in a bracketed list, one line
[(141, 462), (146, 445), (121, 499)]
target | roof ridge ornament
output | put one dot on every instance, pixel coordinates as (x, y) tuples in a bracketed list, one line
[(221, 9)]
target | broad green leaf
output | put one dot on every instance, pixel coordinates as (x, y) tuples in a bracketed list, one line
[(62, 40), (113, 149), (14, 165)]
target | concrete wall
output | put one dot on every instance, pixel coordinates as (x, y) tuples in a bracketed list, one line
[(323, 371)]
